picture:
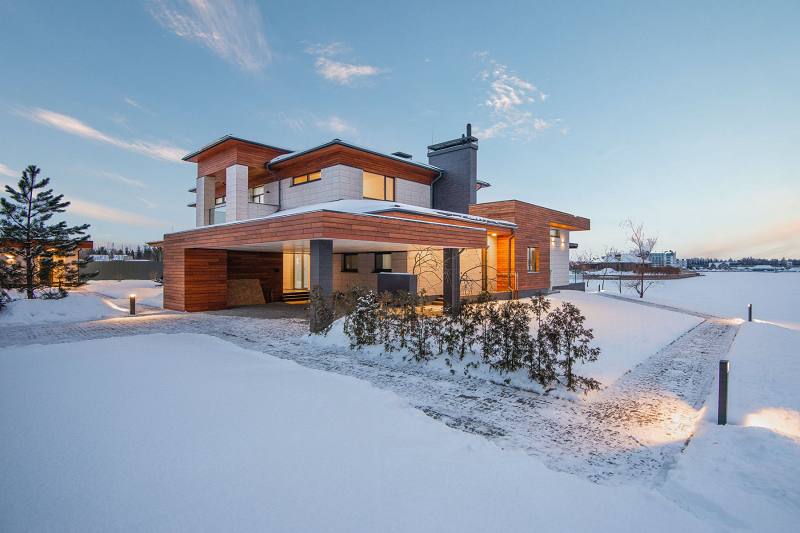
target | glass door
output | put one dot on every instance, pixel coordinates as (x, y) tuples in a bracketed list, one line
[(300, 271)]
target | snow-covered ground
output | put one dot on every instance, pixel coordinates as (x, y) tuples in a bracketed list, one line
[(747, 474), (74, 308), (147, 292), (726, 294), (188, 432)]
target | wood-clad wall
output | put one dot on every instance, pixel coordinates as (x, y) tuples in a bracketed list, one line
[(267, 267), (533, 230)]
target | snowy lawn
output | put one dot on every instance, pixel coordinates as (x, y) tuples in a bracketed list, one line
[(188, 432), (627, 335), (147, 292), (726, 294), (747, 473), (73, 308)]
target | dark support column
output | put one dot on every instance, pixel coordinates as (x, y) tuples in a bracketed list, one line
[(321, 267), (451, 279)]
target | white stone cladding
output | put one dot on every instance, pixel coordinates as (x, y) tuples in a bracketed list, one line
[(204, 199), (559, 260), (236, 193), (412, 193), (338, 182)]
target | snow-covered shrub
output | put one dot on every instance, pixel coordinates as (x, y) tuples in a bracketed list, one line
[(570, 344), (361, 324), (320, 310)]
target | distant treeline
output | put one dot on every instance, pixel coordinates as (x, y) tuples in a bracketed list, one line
[(140, 252), (746, 261)]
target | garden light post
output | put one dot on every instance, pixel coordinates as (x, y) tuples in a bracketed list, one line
[(722, 408), (749, 312), (133, 304)]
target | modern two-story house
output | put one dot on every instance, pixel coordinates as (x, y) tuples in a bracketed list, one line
[(337, 213)]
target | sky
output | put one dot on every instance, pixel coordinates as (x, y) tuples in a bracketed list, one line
[(680, 116)]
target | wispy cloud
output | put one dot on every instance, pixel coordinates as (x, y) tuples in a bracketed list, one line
[(510, 99), (336, 125), (111, 214), (305, 120), (232, 29), (160, 150), (4, 170), (147, 202), (340, 72), (138, 106), (113, 176)]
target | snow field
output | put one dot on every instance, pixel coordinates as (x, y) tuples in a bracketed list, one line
[(747, 474), (187, 432), (726, 294)]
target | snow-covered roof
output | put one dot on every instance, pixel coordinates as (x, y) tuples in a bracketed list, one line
[(292, 155), (370, 207)]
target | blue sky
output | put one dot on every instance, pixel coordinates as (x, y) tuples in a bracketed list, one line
[(681, 116)]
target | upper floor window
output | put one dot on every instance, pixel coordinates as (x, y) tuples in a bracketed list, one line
[(533, 259), (378, 187), (554, 232), (314, 176), (219, 201), (383, 262), (257, 195)]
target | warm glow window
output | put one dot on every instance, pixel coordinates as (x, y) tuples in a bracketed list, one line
[(349, 262), (219, 201), (383, 262), (533, 259), (314, 176), (257, 195), (378, 187)]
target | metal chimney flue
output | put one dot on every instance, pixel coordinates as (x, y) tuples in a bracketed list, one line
[(469, 130)]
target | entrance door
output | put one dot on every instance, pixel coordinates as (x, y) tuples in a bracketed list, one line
[(300, 273)]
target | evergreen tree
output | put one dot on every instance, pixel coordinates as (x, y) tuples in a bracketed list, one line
[(38, 246), (572, 343)]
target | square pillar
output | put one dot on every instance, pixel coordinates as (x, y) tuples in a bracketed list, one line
[(204, 200), (236, 193), (321, 267), (451, 279)]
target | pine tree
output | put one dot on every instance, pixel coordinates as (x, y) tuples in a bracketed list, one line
[(573, 344), (38, 246)]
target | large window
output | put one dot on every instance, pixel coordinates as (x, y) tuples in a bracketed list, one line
[(378, 187), (257, 195), (533, 259), (349, 262), (314, 176), (383, 262)]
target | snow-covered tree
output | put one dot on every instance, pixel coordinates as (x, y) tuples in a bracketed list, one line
[(642, 248)]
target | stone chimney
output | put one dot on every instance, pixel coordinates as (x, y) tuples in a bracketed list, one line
[(457, 188)]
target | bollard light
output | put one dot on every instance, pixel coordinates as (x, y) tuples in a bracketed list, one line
[(749, 312), (133, 304), (722, 406)]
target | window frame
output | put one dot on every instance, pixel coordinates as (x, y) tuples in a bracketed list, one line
[(382, 254), (535, 262), (306, 178), (555, 232), (262, 196), (386, 188), (344, 263), (222, 198)]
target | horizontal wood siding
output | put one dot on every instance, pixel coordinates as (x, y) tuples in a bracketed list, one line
[(264, 266), (533, 230)]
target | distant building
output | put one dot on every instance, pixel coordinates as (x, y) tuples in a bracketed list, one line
[(683, 264), (660, 259)]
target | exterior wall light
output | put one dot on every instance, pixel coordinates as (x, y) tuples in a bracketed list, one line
[(133, 304), (494, 234)]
